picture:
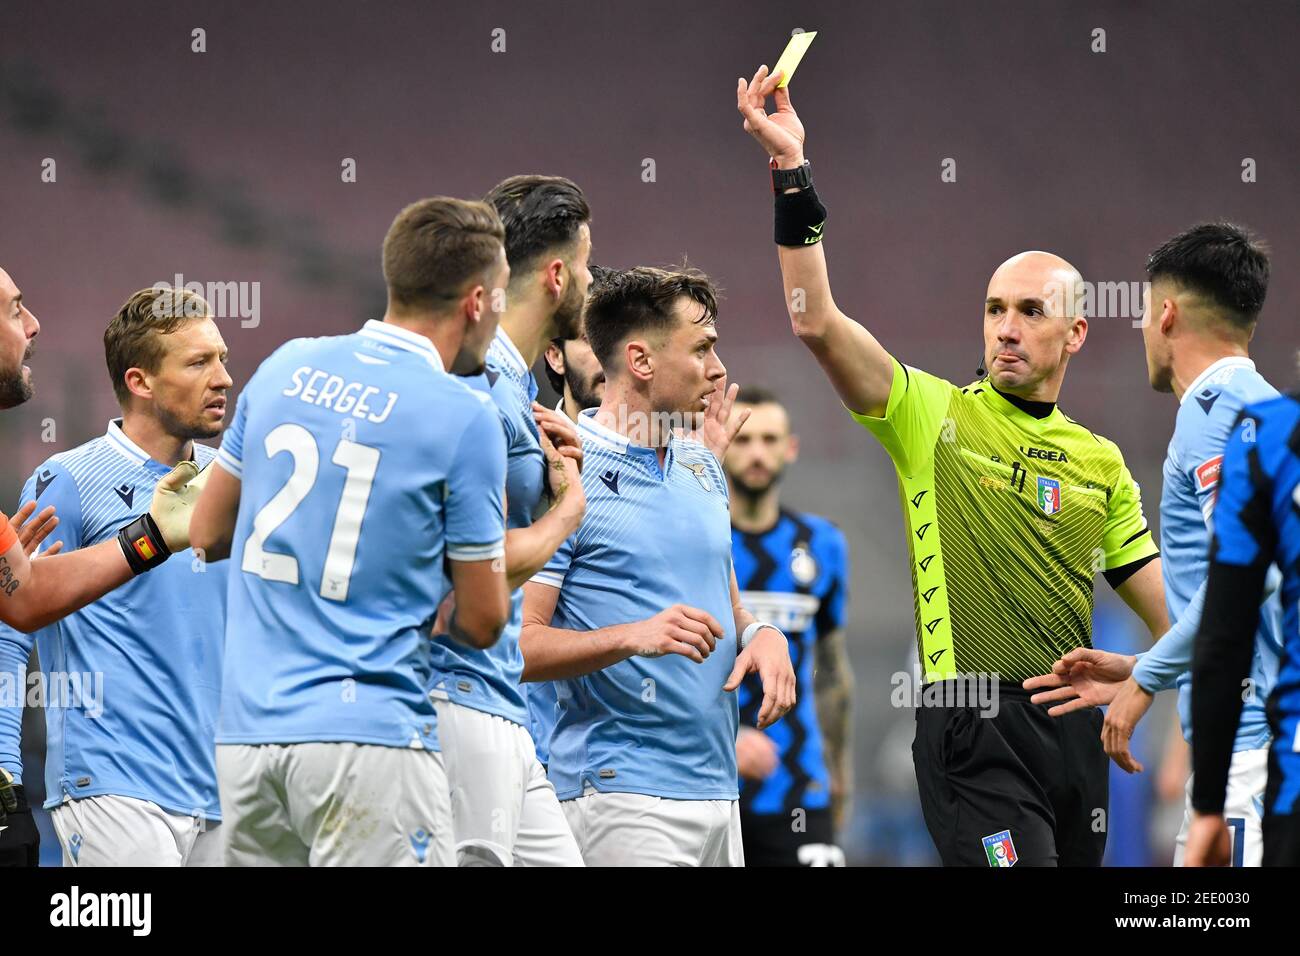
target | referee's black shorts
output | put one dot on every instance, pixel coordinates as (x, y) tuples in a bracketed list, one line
[(1012, 785)]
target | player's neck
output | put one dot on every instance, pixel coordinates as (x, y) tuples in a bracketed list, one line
[(628, 413), (571, 405), (148, 434), (446, 337), (754, 514), (530, 328), (1190, 361)]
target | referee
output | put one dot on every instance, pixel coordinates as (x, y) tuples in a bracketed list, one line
[(1010, 508)]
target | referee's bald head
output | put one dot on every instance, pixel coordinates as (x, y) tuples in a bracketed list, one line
[(1033, 323)]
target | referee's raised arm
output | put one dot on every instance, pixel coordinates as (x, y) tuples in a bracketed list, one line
[(857, 365)]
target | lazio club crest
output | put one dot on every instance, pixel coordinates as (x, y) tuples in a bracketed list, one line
[(1049, 495), (999, 848)]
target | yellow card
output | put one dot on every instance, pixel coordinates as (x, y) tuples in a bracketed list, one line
[(794, 51)]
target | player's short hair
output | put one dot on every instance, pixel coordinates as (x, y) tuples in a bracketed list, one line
[(541, 214), (436, 247), (134, 337), (757, 395), (1220, 261), (630, 301)]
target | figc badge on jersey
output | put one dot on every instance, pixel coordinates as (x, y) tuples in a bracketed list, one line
[(1049, 495)]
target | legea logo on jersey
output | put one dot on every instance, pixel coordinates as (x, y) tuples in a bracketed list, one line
[(1000, 850), (1049, 495)]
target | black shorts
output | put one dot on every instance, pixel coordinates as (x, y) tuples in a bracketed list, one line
[(776, 840), (1012, 788)]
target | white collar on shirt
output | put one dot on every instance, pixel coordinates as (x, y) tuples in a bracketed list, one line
[(397, 337), (1227, 362), (513, 354)]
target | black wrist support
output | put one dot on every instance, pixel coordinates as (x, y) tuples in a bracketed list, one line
[(800, 218)]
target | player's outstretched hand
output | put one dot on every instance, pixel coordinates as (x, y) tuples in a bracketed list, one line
[(1122, 717), (680, 629), (32, 533), (780, 133), (721, 423), (767, 655), (1208, 843), (756, 756), (1085, 677), (173, 503)]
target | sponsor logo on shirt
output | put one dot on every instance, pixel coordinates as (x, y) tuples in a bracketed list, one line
[(1207, 473)]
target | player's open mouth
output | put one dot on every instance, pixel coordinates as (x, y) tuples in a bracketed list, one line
[(219, 406)]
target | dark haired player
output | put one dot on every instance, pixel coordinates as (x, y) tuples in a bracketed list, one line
[(1207, 287), (637, 619), (792, 569)]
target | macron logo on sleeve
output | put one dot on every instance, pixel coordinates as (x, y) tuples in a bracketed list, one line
[(43, 481)]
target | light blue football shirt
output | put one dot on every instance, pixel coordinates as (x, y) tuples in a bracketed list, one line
[(1206, 417), (132, 681), (651, 537), (505, 358), (363, 465), (489, 680)]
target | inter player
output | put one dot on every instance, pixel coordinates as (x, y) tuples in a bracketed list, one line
[(638, 618), (1256, 524), (1206, 290), (548, 246), (504, 808), (128, 782), (353, 467), (792, 569), (37, 592), (1009, 506)]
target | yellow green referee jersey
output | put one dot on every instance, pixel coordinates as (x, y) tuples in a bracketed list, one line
[(1009, 517)]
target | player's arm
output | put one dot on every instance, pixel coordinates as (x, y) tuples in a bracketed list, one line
[(1243, 547), (212, 528), (475, 522), (528, 549), (833, 689), (554, 653), (767, 654), (858, 367), (39, 591), (482, 602)]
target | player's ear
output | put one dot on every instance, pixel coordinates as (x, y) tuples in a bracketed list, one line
[(555, 358), (640, 362), (137, 382), (1168, 313), (554, 277), (792, 450)]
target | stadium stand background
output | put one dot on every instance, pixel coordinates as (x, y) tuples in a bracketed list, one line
[(225, 166)]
